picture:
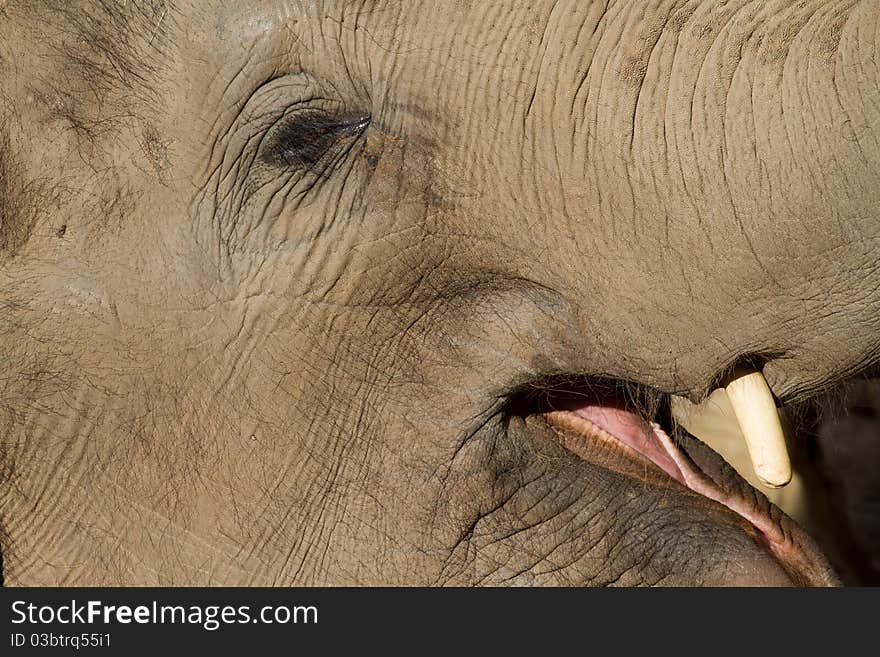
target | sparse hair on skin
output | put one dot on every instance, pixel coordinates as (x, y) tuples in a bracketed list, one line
[(96, 71), (19, 202), (104, 57)]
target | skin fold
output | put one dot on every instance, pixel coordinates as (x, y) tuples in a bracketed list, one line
[(272, 271)]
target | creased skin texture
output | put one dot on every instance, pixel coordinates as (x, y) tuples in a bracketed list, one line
[(221, 367)]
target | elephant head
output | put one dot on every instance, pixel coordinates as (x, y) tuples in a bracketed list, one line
[(369, 292)]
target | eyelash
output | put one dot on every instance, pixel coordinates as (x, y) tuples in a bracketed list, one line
[(303, 139)]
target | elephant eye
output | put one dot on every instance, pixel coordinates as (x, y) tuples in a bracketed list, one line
[(304, 138)]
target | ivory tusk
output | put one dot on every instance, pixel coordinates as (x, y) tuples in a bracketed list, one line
[(755, 410)]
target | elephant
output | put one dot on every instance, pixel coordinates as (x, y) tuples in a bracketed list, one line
[(375, 292)]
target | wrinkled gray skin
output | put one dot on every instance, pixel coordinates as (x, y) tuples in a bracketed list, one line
[(270, 270)]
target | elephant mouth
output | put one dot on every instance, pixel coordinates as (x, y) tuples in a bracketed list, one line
[(606, 424)]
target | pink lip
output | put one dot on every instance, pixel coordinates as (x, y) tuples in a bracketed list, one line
[(605, 420), (632, 430)]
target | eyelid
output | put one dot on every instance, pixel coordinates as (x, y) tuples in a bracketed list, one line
[(303, 136)]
